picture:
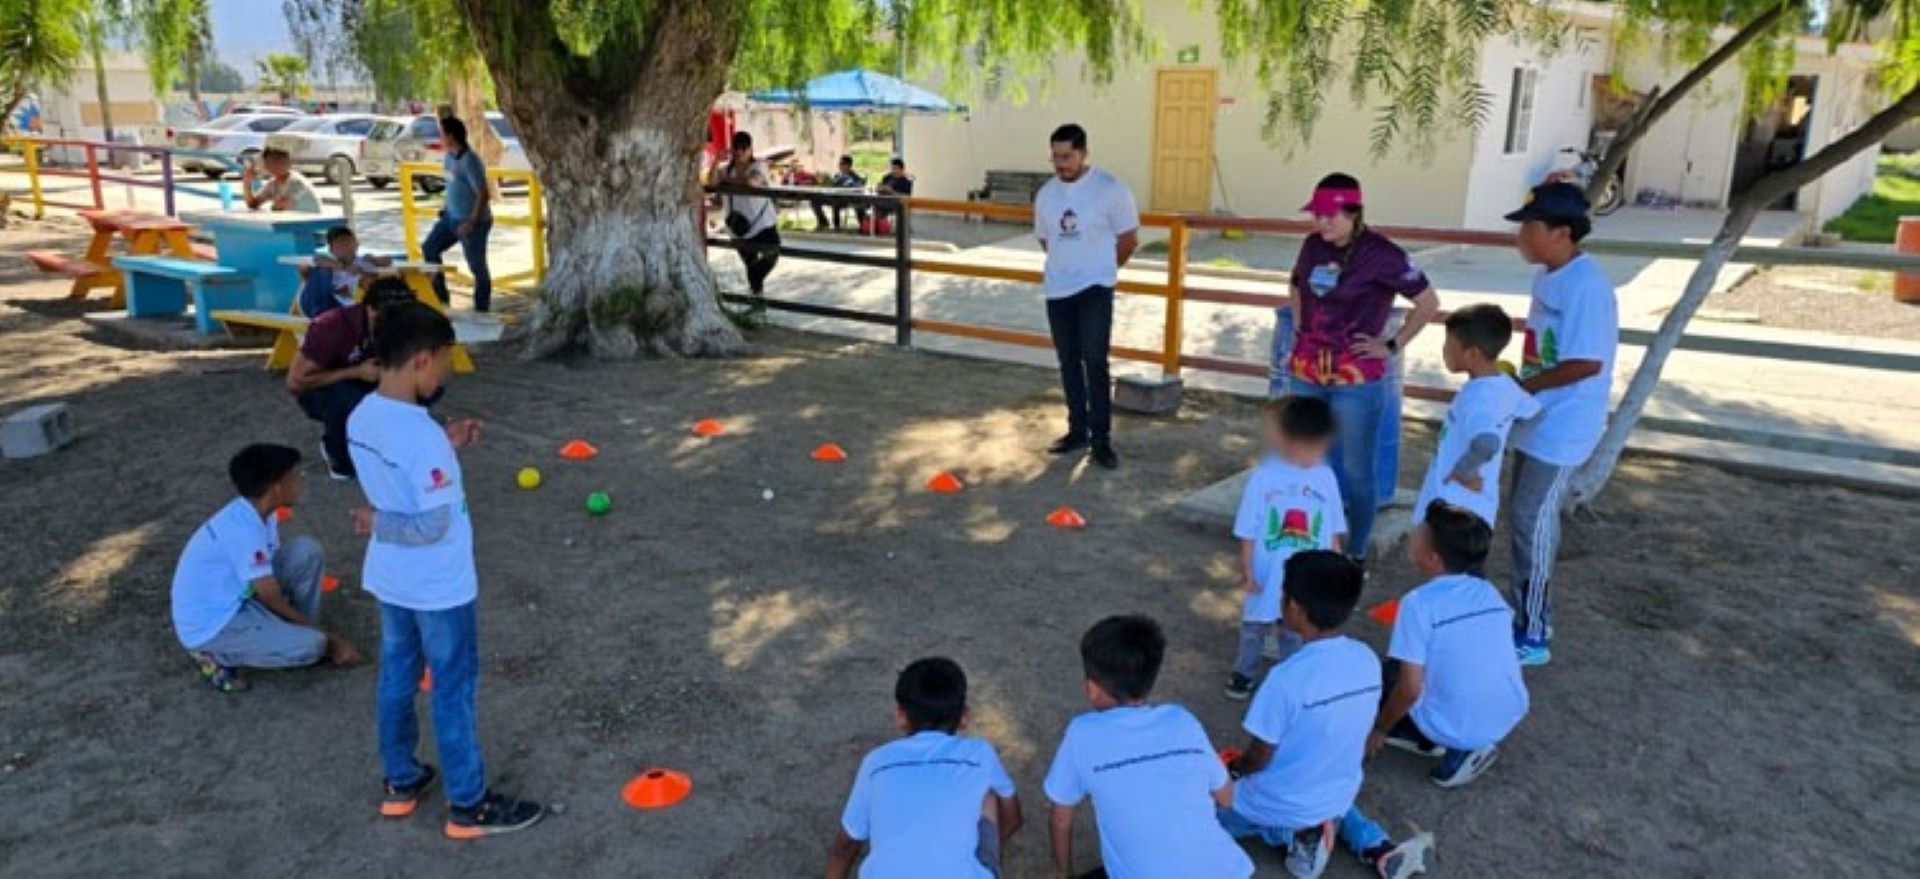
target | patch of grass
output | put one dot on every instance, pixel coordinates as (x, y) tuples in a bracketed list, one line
[(1227, 262), (1896, 193), (1154, 248)]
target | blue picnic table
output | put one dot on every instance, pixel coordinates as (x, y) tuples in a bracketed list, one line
[(254, 241)]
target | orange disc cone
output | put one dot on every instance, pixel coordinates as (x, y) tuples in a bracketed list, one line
[(945, 483), (1385, 612), (426, 680), (656, 789), (1066, 517), (708, 427), (283, 514), (829, 452), (329, 583), (578, 450)]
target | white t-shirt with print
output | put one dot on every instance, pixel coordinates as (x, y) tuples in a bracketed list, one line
[(1459, 629), (304, 196), (407, 465), (1151, 773), (757, 209), (1081, 223), (216, 572), (1316, 709), (1573, 316), (1283, 510), (1490, 404), (916, 803)]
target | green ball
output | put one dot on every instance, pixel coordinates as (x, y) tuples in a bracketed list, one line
[(598, 503)]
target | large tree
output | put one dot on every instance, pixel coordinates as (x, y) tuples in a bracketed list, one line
[(284, 74)]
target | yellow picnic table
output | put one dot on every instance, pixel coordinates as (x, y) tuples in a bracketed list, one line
[(146, 234), (290, 326)]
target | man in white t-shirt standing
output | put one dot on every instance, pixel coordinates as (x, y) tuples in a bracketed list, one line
[(1573, 328), (1088, 226)]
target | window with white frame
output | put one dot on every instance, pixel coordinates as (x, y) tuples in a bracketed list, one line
[(1520, 110)]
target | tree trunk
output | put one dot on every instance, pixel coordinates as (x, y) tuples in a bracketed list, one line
[(95, 41), (1659, 102), (615, 141), (1592, 476)]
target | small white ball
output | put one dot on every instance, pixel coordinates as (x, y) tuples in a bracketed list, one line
[(767, 495)]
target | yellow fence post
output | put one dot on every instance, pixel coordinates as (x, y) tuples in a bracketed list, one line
[(409, 226), (1176, 292), (536, 210), (33, 179)]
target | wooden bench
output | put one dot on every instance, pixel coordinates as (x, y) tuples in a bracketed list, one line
[(161, 286), (54, 262), (1011, 187), (289, 328)]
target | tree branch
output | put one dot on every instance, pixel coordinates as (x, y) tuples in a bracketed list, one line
[(1658, 103)]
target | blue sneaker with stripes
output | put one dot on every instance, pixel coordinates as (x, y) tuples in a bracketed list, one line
[(1532, 652), (1460, 766)]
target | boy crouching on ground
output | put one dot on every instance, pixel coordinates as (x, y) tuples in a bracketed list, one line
[(932, 805)]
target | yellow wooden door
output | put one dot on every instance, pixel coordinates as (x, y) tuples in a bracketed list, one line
[(1184, 101)]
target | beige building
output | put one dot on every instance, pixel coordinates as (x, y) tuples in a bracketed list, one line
[(1184, 131)]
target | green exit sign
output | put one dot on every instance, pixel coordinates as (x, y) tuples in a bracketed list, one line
[(1189, 54)]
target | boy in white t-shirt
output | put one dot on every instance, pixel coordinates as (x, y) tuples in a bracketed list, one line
[(1300, 771), (1454, 685), (420, 567), (1291, 503), (241, 599), (1573, 329), (1088, 226), (1153, 776), (933, 805), (1465, 469)]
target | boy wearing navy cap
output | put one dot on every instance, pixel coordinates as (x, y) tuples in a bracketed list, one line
[(1573, 327)]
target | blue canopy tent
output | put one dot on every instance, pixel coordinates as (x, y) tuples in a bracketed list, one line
[(862, 91)]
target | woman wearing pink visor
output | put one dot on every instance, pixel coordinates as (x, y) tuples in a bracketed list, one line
[(1343, 287)]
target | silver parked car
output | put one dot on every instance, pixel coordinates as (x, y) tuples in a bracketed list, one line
[(417, 139), (238, 139), (327, 145)]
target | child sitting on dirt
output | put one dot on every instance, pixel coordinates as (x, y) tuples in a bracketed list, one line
[(1300, 770), (1291, 503), (1150, 770), (420, 567), (1465, 470), (241, 599), (1453, 679), (934, 803), (340, 277)]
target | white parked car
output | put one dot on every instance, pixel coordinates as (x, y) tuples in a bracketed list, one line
[(326, 145), (238, 139), (251, 109), (417, 139)]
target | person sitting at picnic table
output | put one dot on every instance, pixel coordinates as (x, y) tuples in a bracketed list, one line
[(339, 276), (284, 188), (334, 369), (897, 182), (846, 178)]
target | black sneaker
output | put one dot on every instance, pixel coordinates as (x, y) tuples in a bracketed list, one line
[(1104, 455), (494, 815), (338, 472), (1239, 687), (400, 802), (1067, 443)]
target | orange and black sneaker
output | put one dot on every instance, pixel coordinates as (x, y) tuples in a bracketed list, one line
[(402, 801), (495, 814)]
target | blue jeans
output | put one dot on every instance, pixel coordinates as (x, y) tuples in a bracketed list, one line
[(446, 641), (1359, 832), (1386, 466), (1357, 413), (473, 247)]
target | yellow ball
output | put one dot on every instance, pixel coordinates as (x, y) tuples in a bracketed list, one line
[(529, 478)]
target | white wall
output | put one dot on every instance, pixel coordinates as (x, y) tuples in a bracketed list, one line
[(1562, 117), (951, 155), (65, 108), (1842, 101)]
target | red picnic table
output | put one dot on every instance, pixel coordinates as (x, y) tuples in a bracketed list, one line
[(145, 235)]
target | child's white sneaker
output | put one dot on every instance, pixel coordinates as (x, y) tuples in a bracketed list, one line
[(1311, 851), (1406, 859)]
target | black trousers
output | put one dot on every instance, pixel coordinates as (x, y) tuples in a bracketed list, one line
[(1406, 728), (820, 214), (1082, 328), (330, 405), (759, 252)]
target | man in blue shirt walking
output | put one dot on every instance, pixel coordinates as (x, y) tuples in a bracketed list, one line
[(467, 218)]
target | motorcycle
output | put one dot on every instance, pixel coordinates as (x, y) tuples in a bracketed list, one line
[(1581, 175)]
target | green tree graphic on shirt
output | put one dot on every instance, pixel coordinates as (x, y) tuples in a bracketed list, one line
[(1549, 349)]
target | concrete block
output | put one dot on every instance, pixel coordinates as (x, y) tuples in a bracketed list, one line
[(36, 430), (1159, 395)]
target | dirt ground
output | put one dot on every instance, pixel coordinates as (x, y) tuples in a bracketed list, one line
[(1734, 693), (1825, 299)]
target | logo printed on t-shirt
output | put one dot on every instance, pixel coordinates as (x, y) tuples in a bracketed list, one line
[(259, 556), (439, 480), (1323, 278), (1069, 224), (1293, 530)]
